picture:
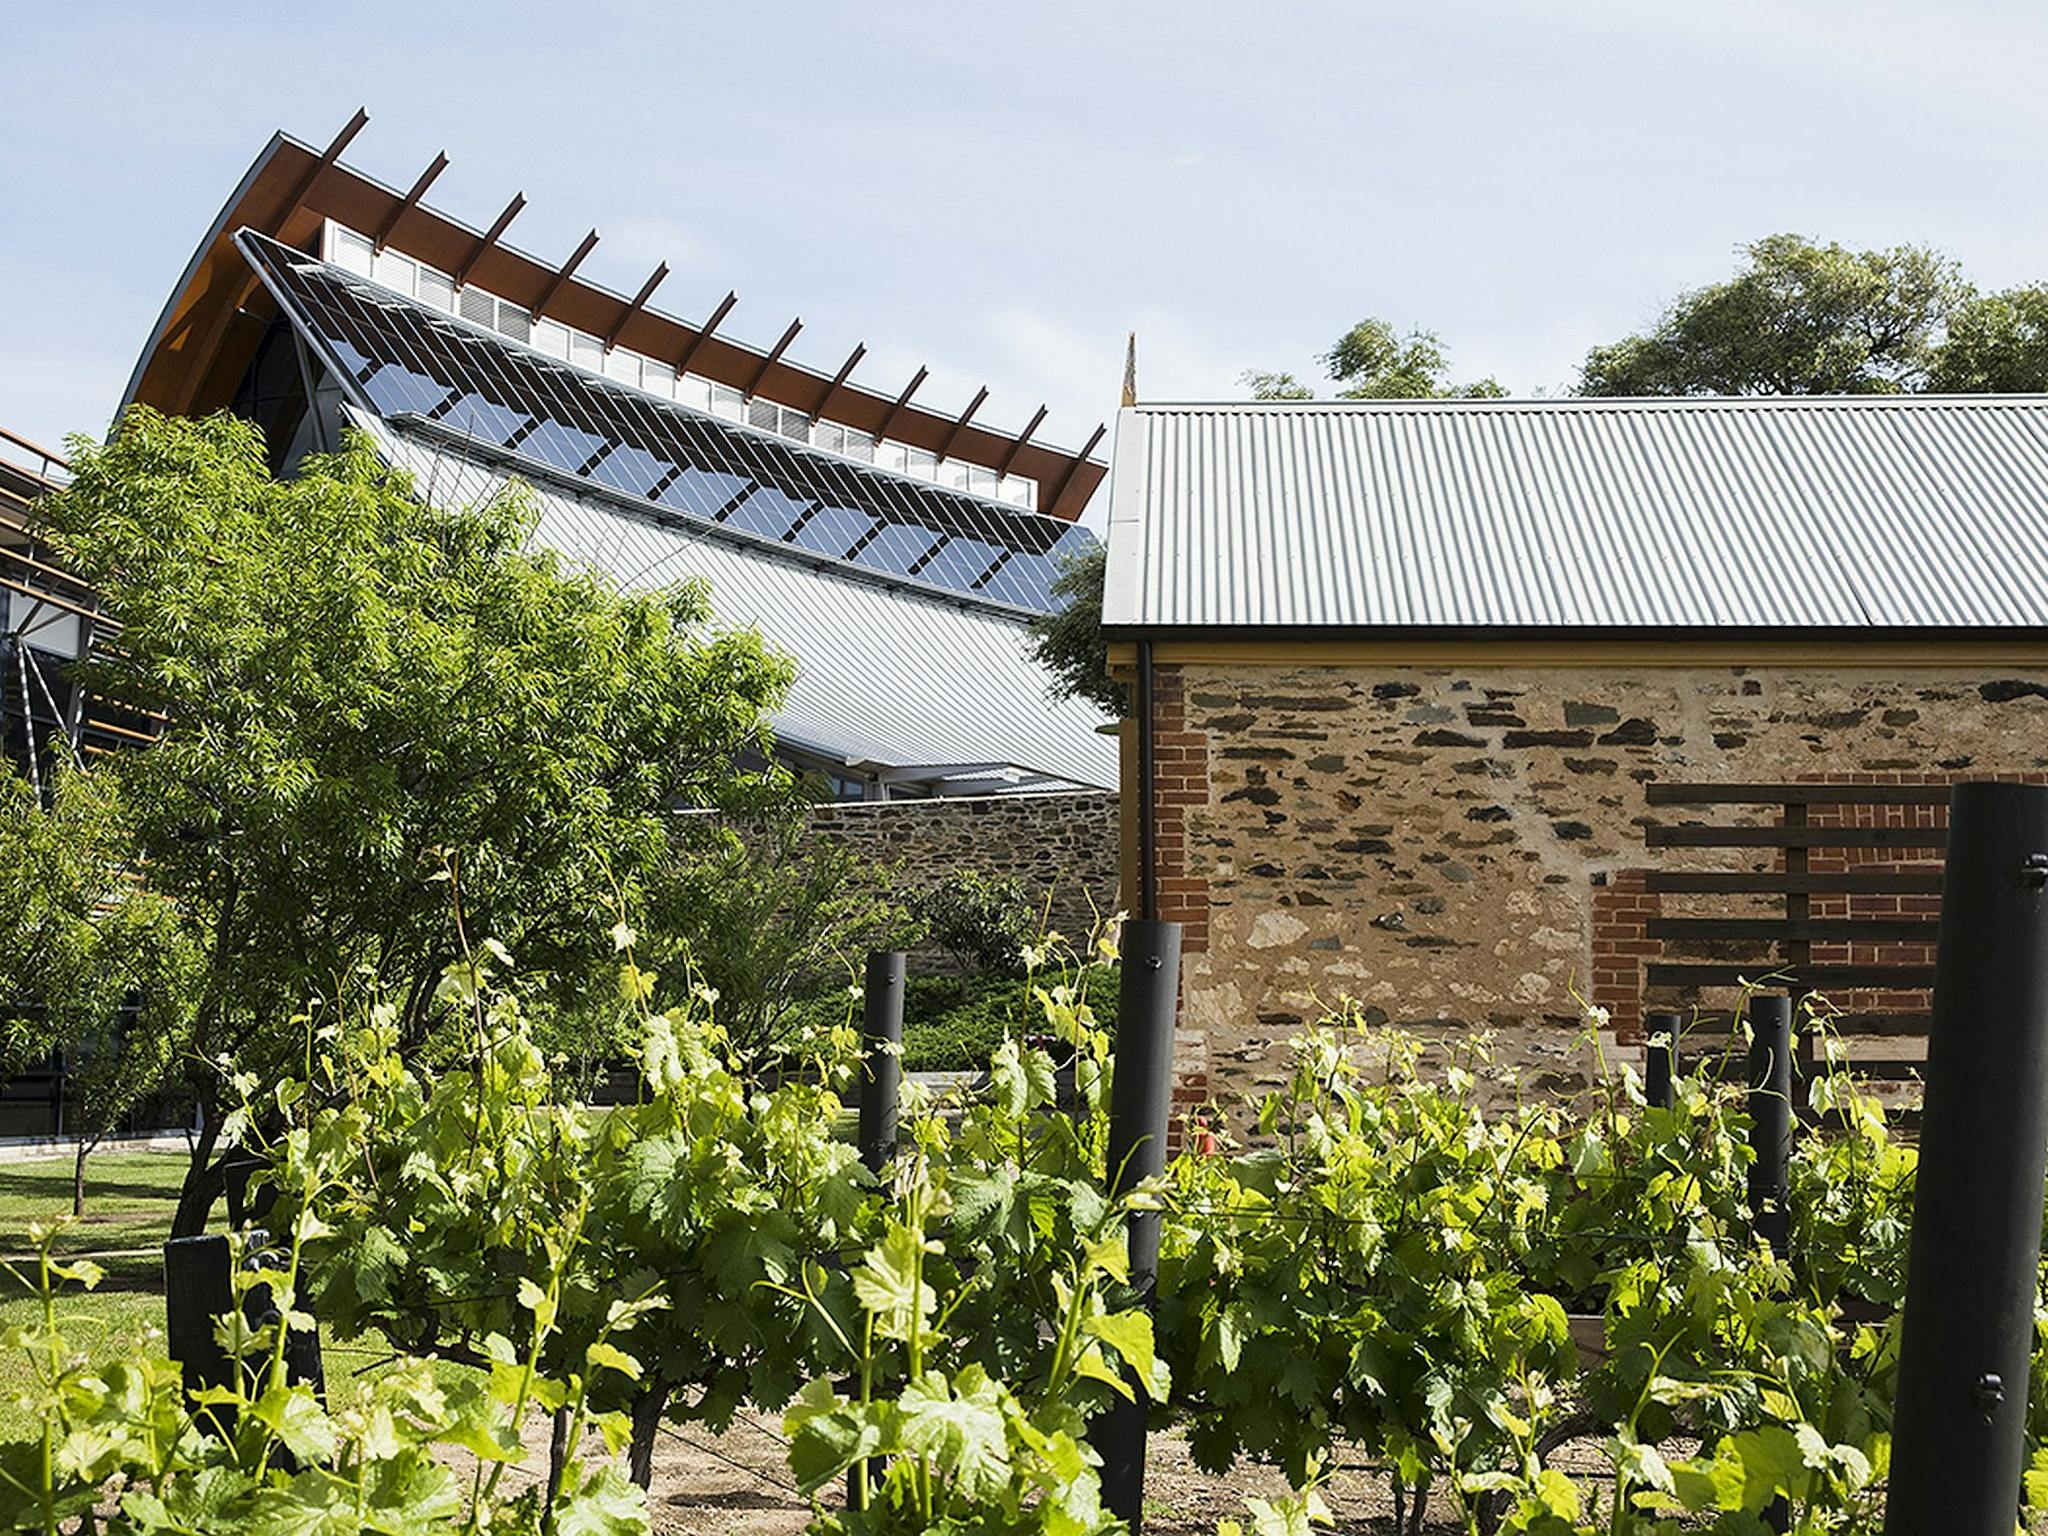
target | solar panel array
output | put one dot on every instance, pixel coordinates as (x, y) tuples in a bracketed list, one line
[(413, 364)]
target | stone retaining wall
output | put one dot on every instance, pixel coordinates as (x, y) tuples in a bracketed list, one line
[(1063, 847)]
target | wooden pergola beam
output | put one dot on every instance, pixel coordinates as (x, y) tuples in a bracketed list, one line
[(328, 156), (960, 424), (1023, 437), (704, 331), (638, 303), (1073, 469), (902, 401), (774, 356), (410, 201), (563, 273), (490, 236), (852, 358)]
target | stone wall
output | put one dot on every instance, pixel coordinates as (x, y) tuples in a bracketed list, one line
[(1063, 847), (1431, 841)]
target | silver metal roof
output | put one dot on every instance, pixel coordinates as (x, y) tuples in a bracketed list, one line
[(1813, 512), (910, 683)]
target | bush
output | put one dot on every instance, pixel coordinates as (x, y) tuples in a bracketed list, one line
[(983, 921), (954, 1023)]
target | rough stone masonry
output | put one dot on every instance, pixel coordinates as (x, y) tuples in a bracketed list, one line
[(1428, 840)]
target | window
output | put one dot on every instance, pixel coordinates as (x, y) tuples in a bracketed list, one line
[(348, 250), (552, 337)]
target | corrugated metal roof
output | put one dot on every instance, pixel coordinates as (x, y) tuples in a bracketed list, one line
[(1837, 512), (887, 676)]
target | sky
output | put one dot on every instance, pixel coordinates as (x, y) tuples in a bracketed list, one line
[(1002, 190)]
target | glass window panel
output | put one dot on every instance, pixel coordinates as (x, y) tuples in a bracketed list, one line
[(833, 530), (514, 321), (477, 416), (585, 352), (765, 414), (702, 491), (960, 563), (657, 378), (981, 481), (795, 425), (897, 547), (692, 390), (728, 402), (477, 307), (622, 365), (767, 512), (561, 445), (828, 434), (1019, 491), (916, 461), (892, 456), (394, 388), (858, 445), (1025, 580), (632, 470), (952, 475)]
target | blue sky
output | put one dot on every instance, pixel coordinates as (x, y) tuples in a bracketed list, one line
[(1003, 190)]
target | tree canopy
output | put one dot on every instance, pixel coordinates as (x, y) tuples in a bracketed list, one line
[(373, 704), (1068, 640), (1802, 318), (1373, 361)]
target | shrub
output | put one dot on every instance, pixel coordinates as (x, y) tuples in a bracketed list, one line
[(983, 921)]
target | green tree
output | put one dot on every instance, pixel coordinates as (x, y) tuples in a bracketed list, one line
[(1997, 343), (93, 964), (1798, 319), (1373, 361), (371, 699), (1069, 639)]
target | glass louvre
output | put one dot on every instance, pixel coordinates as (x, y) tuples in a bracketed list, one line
[(405, 358)]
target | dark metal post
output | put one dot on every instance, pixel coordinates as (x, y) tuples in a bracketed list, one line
[(1660, 1065), (1140, 1101), (1958, 1435), (1770, 1117), (1148, 793), (881, 1092), (199, 1286), (881, 1058)]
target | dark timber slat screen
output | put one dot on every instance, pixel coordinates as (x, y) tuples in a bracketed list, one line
[(1854, 873)]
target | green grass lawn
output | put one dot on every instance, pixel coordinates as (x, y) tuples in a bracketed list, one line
[(129, 1197), (128, 1205)]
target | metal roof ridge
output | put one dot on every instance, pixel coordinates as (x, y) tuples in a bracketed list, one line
[(1589, 403)]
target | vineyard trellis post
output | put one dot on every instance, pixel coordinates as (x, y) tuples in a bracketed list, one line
[(1140, 1100), (881, 1083), (1770, 1117), (1660, 1062), (1973, 1268)]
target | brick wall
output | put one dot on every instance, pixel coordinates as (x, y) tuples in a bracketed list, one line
[(1441, 843)]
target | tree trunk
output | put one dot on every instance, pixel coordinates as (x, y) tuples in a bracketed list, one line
[(648, 1408), (203, 1180), (558, 1453), (78, 1176)]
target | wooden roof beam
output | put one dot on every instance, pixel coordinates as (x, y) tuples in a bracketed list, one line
[(328, 156), (490, 236), (564, 273), (411, 200), (1023, 437), (704, 331), (960, 425), (839, 378), (774, 356), (1046, 504), (902, 401), (639, 302)]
